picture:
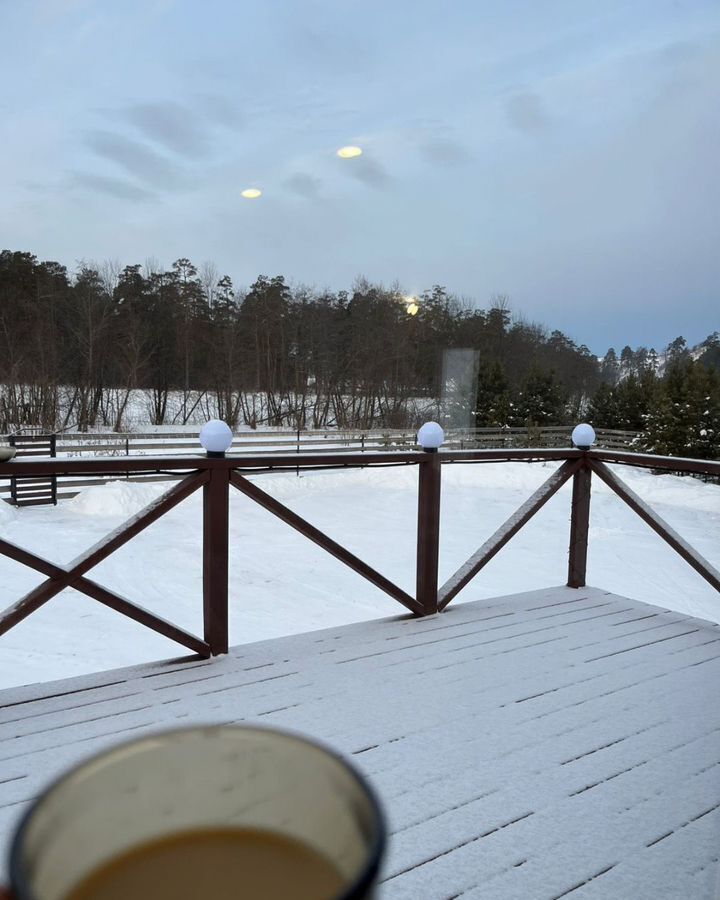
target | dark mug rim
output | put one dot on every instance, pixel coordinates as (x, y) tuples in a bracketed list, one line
[(19, 884)]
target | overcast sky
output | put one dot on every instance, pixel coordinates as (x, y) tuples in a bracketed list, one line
[(564, 152)]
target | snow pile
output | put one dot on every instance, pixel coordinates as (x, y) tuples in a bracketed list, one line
[(680, 492), (118, 498), (286, 485)]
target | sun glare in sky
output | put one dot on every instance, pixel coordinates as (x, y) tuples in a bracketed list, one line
[(349, 152), (251, 193)]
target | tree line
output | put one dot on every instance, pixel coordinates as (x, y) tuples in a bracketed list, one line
[(77, 347), (672, 402)]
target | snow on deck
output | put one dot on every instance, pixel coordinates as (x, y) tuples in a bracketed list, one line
[(557, 743)]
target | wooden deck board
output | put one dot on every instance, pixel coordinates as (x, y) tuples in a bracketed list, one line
[(560, 743)]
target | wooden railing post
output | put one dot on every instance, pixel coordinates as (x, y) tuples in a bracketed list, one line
[(215, 560), (428, 533), (579, 526)]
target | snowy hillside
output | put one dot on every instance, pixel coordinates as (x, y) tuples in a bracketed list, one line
[(281, 584)]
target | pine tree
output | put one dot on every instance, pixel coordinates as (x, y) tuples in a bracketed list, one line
[(224, 307), (627, 361), (685, 419), (602, 409), (703, 438), (610, 368), (493, 396), (711, 351), (677, 350), (541, 401), (633, 399)]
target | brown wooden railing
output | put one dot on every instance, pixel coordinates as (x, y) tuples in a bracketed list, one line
[(335, 440), (85, 445), (215, 476)]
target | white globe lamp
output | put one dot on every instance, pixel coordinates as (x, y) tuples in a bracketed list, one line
[(430, 436), (216, 437), (583, 436)]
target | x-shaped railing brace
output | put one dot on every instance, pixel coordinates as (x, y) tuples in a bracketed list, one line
[(73, 575)]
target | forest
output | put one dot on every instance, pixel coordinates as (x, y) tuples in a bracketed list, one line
[(75, 347)]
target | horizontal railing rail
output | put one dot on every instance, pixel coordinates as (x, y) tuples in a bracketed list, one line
[(128, 443), (114, 444), (216, 475)]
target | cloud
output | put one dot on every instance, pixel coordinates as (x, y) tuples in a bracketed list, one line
[(305, 185), (319, 41), (137, 159), (219, 110), (116, 187), (170, 124), (526, 113), (445, 151), (367, 170)]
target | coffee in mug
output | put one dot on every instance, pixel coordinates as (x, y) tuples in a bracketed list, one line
[(222, 811)]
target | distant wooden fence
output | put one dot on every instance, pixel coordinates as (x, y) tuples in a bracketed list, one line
[(215, 476), (33, 491), (111, 444)]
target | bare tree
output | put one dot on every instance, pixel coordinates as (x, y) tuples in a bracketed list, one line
[(209, 276)]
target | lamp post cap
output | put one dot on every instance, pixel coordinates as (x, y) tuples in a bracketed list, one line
[(583, 436), (430, 436), (216, 437)]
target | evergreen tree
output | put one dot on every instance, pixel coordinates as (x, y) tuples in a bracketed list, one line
[(493, 396), (627, 361), (685, 420), (710, 355), (541, 401), (640, 360), (633, 398), (224, 305), (602, 409), (610, 368), (705, 442), (677, 350)]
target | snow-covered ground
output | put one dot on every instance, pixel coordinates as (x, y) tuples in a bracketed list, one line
[(280, 583)]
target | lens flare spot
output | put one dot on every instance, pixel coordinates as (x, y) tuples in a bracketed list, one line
[(349, 152)]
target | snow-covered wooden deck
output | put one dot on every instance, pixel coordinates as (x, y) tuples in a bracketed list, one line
[(561, 743)]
